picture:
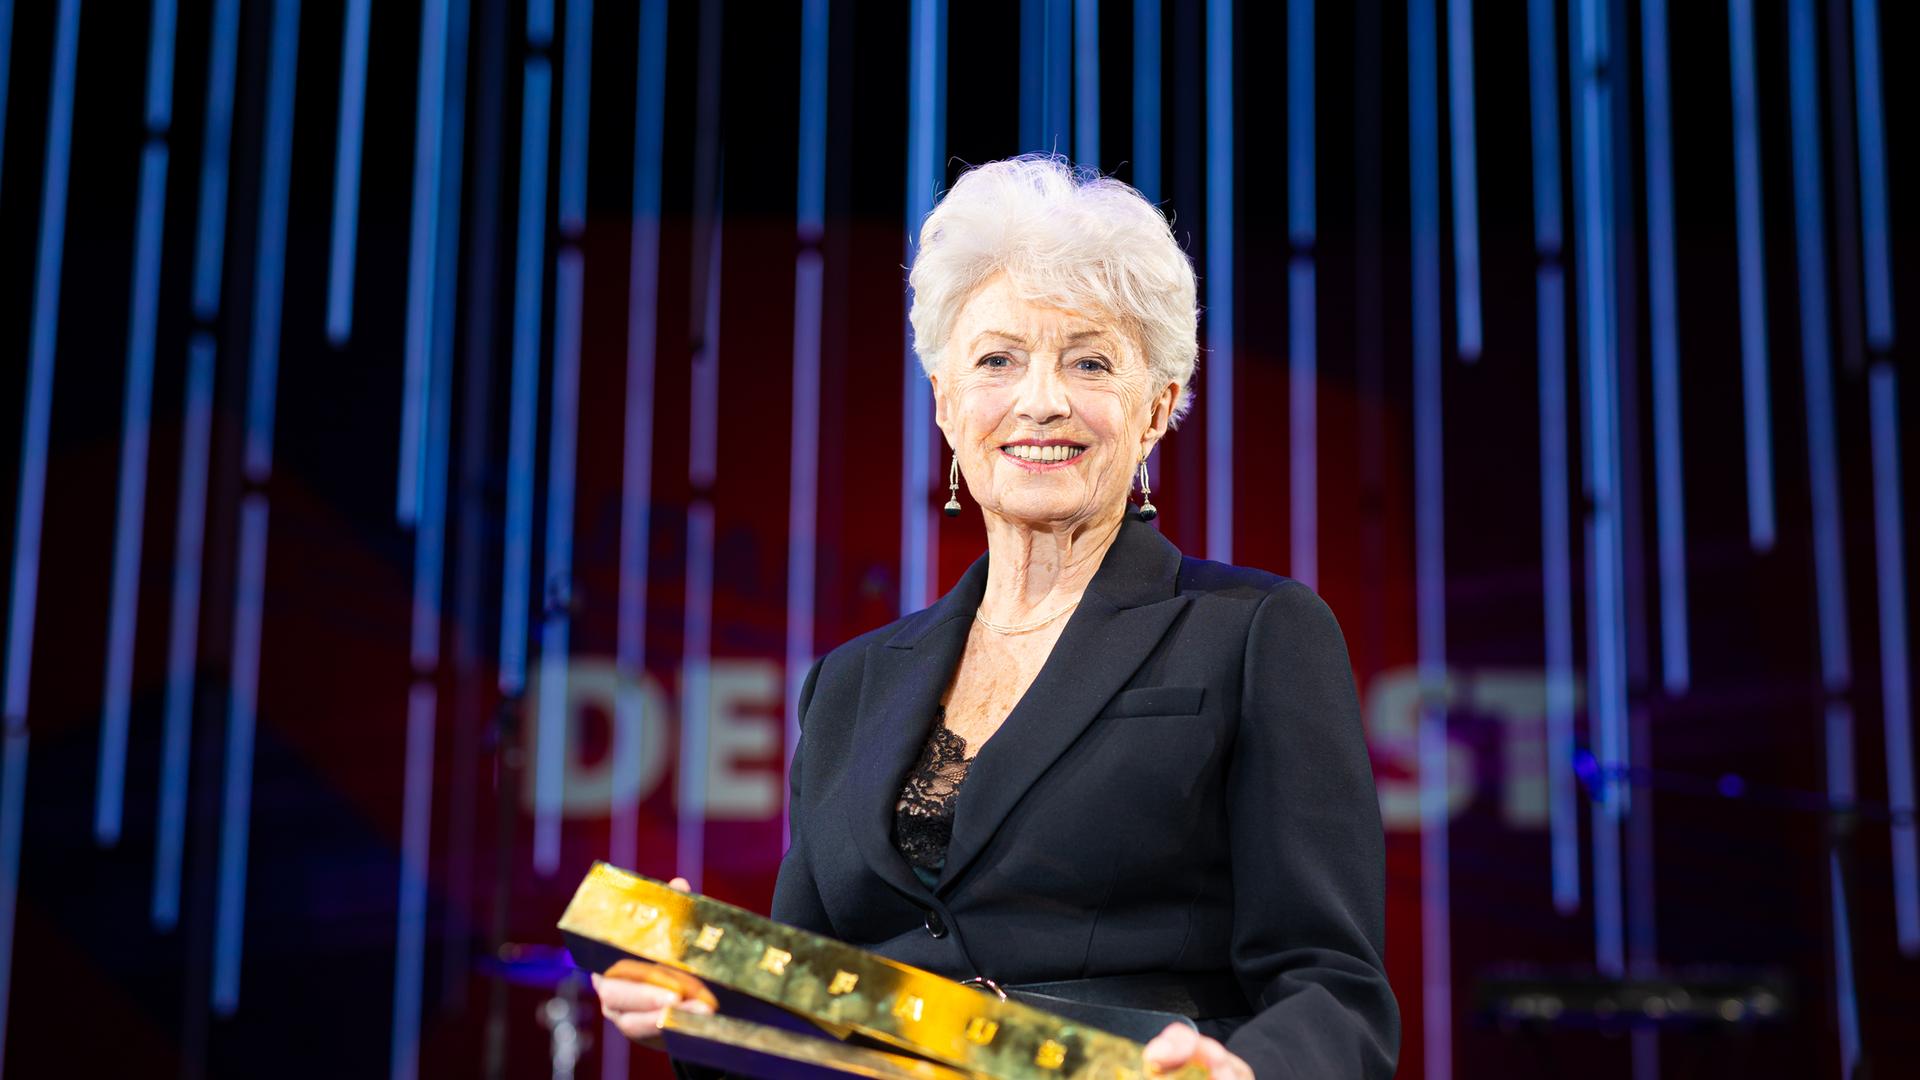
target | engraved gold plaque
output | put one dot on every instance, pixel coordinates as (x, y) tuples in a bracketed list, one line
[(839, 987)]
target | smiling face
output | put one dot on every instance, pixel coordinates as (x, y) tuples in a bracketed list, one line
[(1050, 411)]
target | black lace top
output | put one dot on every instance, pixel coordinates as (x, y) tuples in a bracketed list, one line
[(923, 819)]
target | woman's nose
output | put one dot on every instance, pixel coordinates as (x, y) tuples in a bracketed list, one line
[(1043, 394)]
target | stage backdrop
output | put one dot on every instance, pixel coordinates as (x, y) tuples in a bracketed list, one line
[(439, 435)]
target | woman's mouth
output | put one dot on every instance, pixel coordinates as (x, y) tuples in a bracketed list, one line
[(1040, 457)]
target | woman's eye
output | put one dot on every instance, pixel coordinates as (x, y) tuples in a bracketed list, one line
[(1091, 363), (997, 360)]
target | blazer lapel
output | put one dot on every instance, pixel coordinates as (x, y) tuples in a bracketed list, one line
[(899, 691), (1128, 606)]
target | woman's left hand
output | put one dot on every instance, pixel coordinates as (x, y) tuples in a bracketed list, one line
[(1180, 1045)]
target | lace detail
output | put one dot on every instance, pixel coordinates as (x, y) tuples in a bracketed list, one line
[(923, 819)]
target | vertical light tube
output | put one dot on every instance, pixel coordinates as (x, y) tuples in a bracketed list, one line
[(926, 111), (423, 247), (1033, 78), (1059, 75), (1896, 692), (1146, 98), (1466, 179), (528, 278), (416, 819), (636, 464), (1556, 545), (1823, 470), (40, 358), (562, 425), (563, 436), (269, 273), (237, 782), (803, 480), (135, 427), (210, 246), (1086, 83), (1219, 280), (189, 535), (270, 261), (1662, 294), (346, 171), (1751, 245), (1423, 156), (1874, 247), (703, 433), (428, 572), (1591, 52), (1302, 339), (6, 60), (195, 438), (33, 477)]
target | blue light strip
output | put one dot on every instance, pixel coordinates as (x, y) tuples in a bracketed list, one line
[(237, 783), (346, 170), (1556, 544), (926, 110), (1302, 423), (270, 259), (636, 467), (1086, 82), (576, 73), (1146, 98), (430, 533), (423, 249), (428, 573), (1810, 239), (809, 274), (6, 61), (210, 246), (189, 533), (1302, 343), (33, 479), (1591, 51), (1751, 244), (1823, 471), (1219, 280), (556, 623), (1466, 179), (1874, 251), (269, 272), (1896, 692), (136, 423), (529, 262), (1423, 157), (13, 796), (195, 439), (416, 820), (39, 404), (1663, 299), (703, 436), (1059, 75)]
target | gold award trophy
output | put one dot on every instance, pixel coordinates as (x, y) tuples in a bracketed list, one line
[(827, 998)]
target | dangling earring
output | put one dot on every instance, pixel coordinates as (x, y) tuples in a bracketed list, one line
[(1147, 512), (953, 488)]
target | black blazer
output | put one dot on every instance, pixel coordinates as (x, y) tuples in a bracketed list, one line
[(1184, 788)]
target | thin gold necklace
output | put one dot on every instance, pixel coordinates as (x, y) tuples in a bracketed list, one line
[(1022, 628)]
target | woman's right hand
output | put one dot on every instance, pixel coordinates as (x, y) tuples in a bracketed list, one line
[(635, 994)]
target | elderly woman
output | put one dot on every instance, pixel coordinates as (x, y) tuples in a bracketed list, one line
[(1121, 784)]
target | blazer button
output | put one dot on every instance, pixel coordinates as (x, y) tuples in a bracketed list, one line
[(936, 926)]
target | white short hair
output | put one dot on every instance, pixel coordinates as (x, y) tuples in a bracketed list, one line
[(1066, 237)]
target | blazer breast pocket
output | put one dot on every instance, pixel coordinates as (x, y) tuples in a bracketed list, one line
[(1156, 701)]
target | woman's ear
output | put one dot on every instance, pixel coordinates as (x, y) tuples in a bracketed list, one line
[(1159, 417), (940, 410)]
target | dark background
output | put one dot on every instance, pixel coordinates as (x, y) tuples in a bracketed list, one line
[(1735, 875)]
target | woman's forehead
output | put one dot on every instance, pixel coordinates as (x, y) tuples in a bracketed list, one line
[(999, 313)]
